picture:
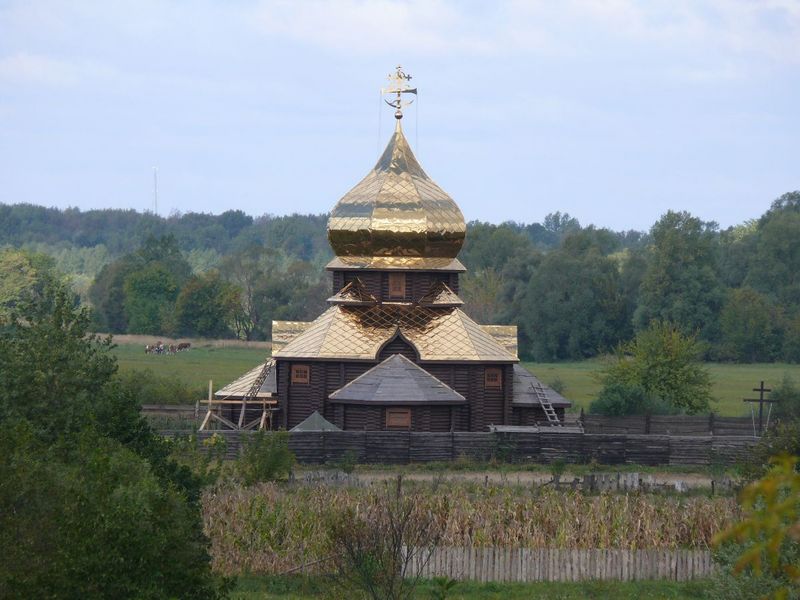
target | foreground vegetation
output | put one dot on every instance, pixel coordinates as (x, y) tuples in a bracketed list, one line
[(270, 528), (307, 588)]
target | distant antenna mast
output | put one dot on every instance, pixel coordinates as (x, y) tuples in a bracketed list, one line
[(155, 190)]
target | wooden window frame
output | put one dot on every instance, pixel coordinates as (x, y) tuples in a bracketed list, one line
[(401, 291), (398, 412), (297, 377), (493, 377)]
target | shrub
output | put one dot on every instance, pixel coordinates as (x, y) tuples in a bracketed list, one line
[(619, 399), (265, 457), (787, 397), (93, 521), (374, 545)]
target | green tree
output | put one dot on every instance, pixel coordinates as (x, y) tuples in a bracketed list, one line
[(775, 263), (90, 520), (23, 276), (680, 284), (663, 362), (750, 327), (207, 306), (481, 292), (150, 295), (573, 306), (90, 497)]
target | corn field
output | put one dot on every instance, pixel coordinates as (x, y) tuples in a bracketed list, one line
[(270, 528)]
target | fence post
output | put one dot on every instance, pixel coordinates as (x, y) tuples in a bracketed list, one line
[(647, 423), (711, 423)]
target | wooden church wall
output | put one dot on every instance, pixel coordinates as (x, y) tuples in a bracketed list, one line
[(418, 283), (485, 407)]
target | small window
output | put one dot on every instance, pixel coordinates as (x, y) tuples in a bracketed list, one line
[(398, 418), (300, 373), (493, 378), (397, 285)]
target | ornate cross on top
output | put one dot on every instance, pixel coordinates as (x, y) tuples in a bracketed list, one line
[(761, 402), (398, 84)]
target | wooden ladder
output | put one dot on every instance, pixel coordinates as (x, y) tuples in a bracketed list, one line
[(547, 406), (253, 393)]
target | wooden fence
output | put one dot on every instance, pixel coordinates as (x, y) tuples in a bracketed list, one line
[(683, 425), (391, 447), (520, 564)]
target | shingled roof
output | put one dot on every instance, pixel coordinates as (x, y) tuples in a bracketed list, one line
[(396, 380), (315, 422), (238, 388), (359, 332), (524, 394)]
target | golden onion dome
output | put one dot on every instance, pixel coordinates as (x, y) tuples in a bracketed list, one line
[(396, 211)]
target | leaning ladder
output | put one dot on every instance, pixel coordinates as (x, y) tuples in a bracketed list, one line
[(547, 406), (251, 394)]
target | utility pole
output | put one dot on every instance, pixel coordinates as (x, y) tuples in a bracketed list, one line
[(155, 190)]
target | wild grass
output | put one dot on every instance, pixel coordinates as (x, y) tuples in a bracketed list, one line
[(223, 364), (192, 368), (732, 382), (270, 529)]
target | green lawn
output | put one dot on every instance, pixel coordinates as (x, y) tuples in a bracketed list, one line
[(732, 382), (195, 366), (307, 588)]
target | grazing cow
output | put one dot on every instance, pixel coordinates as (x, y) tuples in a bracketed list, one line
[(172, 349), (184, 346)]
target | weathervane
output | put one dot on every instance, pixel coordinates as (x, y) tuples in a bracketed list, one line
[(399, 85)]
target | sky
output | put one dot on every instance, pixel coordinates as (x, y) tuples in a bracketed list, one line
[(612, 111)]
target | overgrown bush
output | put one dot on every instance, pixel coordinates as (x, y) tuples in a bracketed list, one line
[(787, 400), (763, 548), (620, 399), (89, 519), (375, 544), (265, 457)]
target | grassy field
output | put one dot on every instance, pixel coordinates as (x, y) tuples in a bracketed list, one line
[(224, 364), (195, 366), (732, 382), (306, 588)]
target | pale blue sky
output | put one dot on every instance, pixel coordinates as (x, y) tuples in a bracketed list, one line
[(612, 111)]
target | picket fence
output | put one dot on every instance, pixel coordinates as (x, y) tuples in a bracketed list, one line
[(526, 565)]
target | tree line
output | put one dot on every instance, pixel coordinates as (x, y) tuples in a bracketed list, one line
[(574, 291)]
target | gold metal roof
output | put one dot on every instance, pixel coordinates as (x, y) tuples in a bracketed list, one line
[(353, 294), (406, 263), (359, 333), (505, 335), (440, 295), (396, 211), (284, 331)]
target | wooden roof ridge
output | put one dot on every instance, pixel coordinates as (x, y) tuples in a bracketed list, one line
[(396, 381)]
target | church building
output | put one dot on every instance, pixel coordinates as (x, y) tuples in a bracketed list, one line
[(395, 349)]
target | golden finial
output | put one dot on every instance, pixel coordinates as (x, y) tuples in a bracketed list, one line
[(398, 84)]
